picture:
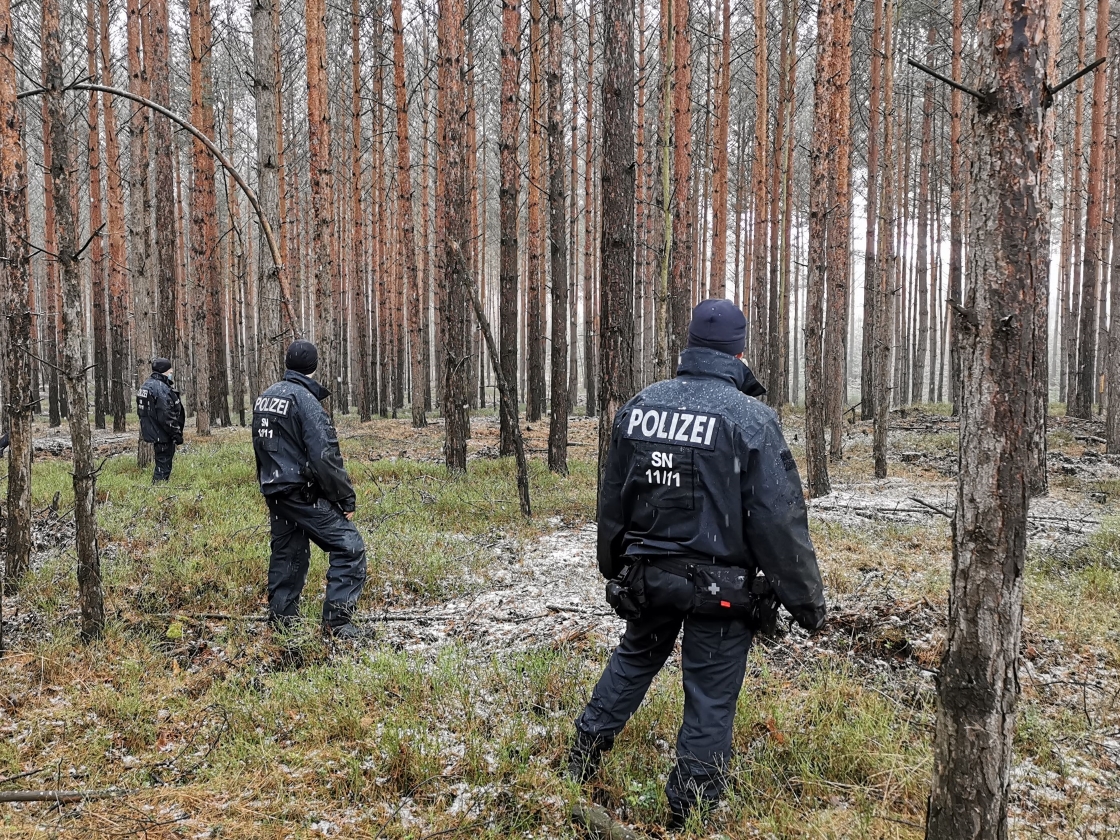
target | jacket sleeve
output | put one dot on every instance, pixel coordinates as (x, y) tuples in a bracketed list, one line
[(324, 458), (777, 527), (176, 415), (612, 526)]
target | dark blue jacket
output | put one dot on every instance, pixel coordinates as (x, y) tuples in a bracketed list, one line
[(161, 411), (699, 468), (295, 444)]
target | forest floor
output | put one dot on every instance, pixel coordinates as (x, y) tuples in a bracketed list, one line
[(490, 631)]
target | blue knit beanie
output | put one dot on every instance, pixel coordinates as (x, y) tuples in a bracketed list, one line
[(718, 324)]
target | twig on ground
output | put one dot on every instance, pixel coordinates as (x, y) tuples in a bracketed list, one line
[(59, 795)]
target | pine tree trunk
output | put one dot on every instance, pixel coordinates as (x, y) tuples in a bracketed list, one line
[(118, 282), (871, 257), (139, 207), (165, 305), (979, 684), (408, 235), (956, 210), (320, 164), (761, 329), (921, 267), (48, 349), (821, 207), (453, 172), (885, 270), (204, 258), (617, 175), (17, 312), (720, 154), (535, 396), (266, 83), (1084, 385), (508, 214), (73, 355), (558, 244), (839, 229), (590, 368), (682, 246), (96, 222)]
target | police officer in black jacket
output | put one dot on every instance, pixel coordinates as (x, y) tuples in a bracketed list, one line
[(700, 494), (309, 495), (161, 417)]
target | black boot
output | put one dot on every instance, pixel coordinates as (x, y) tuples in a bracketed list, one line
[(585, 756)]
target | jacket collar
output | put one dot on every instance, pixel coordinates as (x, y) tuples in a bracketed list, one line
[(317, 391), (703, 361), (160, 377)]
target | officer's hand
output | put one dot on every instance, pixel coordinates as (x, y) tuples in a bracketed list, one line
[(812, 618), (349, 515)]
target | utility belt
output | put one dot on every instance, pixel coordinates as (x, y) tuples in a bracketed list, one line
[(723, 591)]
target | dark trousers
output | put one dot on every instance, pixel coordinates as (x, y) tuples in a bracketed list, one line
[(713, 662), (164, 454), (297, 521)]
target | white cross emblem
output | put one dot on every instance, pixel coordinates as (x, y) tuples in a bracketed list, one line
[(713, 588)]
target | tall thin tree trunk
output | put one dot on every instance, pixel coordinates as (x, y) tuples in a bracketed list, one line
[(163, 195), (956, 209), (922, 257), (871, 257), (1085, 387), (204, 258), (1009, 254), (720, 158), (321, 164), (590, 373), (617, 175), (118, 282), (535, 396), (682, 251), (453, 172), (48, 349), (885, 271), (266, 83), (558, 245), (139, 207), (17, 311), (96, 223), (763, 302), (508, 205), (73, 357)]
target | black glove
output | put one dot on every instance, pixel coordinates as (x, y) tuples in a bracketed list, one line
[(809, 616)]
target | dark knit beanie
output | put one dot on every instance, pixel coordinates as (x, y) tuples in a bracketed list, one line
[(161, 365), (302, 357), (718, 324)]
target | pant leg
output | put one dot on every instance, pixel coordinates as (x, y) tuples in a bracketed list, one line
[(287, 567), (326, 526), (640, 654), (713, 662), (163, 454)]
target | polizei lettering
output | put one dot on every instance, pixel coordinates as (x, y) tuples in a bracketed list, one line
[(272, 405), (672, 426)]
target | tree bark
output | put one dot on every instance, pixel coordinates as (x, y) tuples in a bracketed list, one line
[(956, 209), (407, 229), (508, 141), (535, 328), (1009, 254), (204, 258), (166, 273), (558, 244), (73, 356), (96, 223), (118, 281), (871, 257), (591, 377), (921, 266), (17, 311), (720, 154), (885, 272), (1082, 398), (322, 191), (761, 329), (682, 249), (617, 175), (266, 81), (456, 188), (821, 206)]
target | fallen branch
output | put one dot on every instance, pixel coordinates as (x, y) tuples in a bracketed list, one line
[(58, 796), (601, 824), (934, 508)]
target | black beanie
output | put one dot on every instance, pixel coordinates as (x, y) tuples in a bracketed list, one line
[(718, 324), (302, 357), (161, 365)]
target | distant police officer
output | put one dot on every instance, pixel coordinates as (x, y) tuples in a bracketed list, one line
[(161, 417), (309, 495), (699, 494)]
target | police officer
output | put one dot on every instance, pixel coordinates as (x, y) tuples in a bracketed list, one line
[(161, 417), (309, 495), (699, 494)]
